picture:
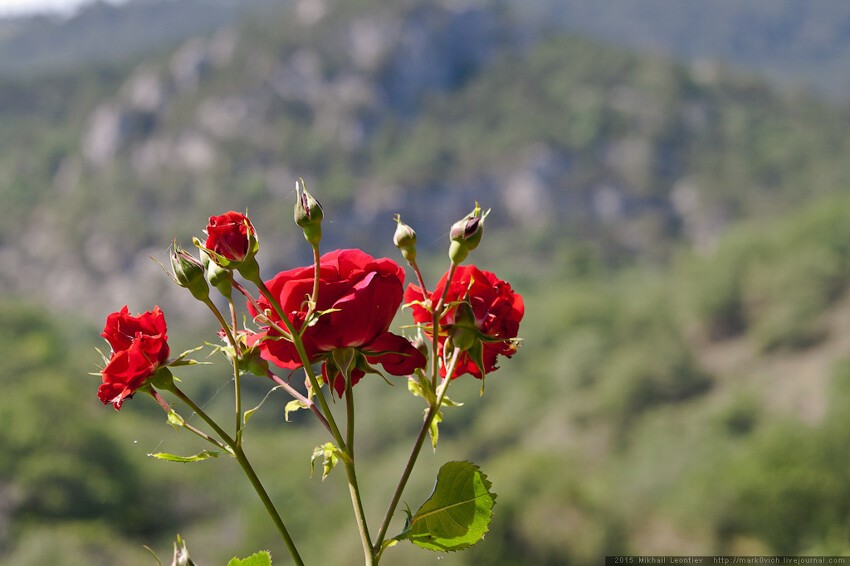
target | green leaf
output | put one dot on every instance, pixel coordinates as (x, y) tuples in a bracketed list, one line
[(293, 406), (434, 429), (206, 454), (457, 514), (330, 455), (181, 360), (175, 420), (250, 412), (420, 386), (262, 558)]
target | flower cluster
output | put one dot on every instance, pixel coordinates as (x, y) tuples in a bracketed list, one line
[(335, 314)]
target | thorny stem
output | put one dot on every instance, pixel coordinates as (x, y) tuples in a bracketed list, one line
[(297, 395), (246, 466), (417, 448)]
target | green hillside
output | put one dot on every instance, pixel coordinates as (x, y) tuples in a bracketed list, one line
[(681, 235)]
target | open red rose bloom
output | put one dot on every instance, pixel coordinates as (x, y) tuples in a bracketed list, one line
[(139, 346), (497, 308), (229, 234), (362, 294)]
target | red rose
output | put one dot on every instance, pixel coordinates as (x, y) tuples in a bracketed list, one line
[(229, 235), (497, 309), (364, 295), (139, 346)]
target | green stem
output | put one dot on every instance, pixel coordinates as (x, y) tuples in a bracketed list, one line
[(351, 473), (317, 274), (305, 361), (417, 448), (232, 339), (237, 385), (419, 278), (248, 469), (350, 470), (435, 328)]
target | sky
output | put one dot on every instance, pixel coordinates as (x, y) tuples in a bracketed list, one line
[(19, 7)]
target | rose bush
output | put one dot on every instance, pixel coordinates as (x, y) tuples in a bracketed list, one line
[(229, 235), (497, 308), (358, 299), (139, 346)]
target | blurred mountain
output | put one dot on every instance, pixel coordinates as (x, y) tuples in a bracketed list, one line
[(678, 227), (413, 107), (101, 33), (797, 43)]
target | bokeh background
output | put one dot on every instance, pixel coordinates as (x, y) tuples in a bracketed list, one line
[(670, 185)]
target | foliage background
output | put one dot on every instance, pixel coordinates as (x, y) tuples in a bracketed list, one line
[(669, 186)]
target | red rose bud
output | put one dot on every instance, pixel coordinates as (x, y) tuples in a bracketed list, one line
[(189, 273), (308, 214), (466, 234), (405, 240), (231, 239)]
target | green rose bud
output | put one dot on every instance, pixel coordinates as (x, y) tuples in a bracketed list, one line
[(308, 214), (189, 273), (253, 363), (405, 240), (466, 234), (219, 277)]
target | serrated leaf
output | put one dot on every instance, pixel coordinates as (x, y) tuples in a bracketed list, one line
[(457, 514), (206, 454), (420, 386), (330, 455), (262, 558)]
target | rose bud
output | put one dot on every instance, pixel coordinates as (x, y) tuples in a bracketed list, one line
[(466, 234), (189, 273), (219, 277), (405, 240), (231, 239), (308, 214)]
